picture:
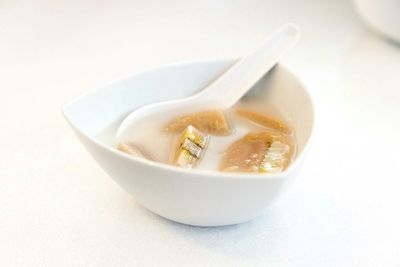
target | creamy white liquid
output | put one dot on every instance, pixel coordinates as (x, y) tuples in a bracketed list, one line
[(150, 137)]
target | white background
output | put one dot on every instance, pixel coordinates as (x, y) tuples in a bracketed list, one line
[(58, 208)]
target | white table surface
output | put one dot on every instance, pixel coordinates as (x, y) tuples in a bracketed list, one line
[(58, 208)]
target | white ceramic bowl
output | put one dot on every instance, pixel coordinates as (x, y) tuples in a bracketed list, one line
[(204, 198), (381, 15)]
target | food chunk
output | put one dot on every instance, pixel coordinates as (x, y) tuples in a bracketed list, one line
[(276, 158), (263, 152), (183, 158), (190, 147), (210, 121), (264, 120), (245, 156)]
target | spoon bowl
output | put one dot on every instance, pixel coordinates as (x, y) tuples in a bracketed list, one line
[(195, 197)]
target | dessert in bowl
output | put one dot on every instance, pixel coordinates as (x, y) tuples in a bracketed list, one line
[(191, 196)]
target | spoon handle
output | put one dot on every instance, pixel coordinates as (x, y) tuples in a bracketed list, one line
[(234, 83)]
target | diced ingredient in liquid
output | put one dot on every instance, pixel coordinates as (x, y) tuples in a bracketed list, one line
[(210, 121), (263, 152), (190, 147), (263, 120), (277, 158)]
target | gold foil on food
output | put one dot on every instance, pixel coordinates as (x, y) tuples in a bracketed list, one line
[(190, 147)]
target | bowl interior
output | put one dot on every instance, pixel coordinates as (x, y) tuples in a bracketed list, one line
[(103, 109)]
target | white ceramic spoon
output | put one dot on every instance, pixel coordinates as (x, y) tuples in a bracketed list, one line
[(225, 91)]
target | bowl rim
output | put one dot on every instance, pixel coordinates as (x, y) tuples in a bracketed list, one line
[(199, 172)]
